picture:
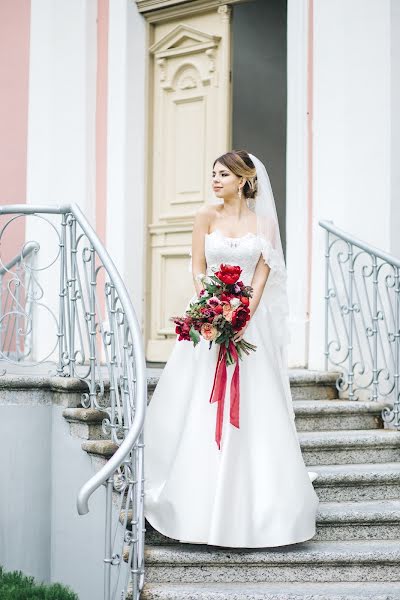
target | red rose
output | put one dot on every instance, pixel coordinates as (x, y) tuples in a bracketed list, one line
[(218, 309), (228, 273), (240, 317), (244, 300)]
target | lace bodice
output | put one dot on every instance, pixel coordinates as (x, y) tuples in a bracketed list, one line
[(243, 251)]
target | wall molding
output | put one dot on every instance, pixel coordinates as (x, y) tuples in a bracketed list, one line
[(160, 10)]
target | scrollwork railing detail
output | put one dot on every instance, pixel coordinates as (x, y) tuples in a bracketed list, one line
[(64, 308), (362, 320)]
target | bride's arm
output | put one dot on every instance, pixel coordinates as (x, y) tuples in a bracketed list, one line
[(258, 282), (200, 228)]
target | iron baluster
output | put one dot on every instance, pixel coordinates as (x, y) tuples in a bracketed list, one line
[(362, 314), (375, 328), (62, 293), (86, 349)]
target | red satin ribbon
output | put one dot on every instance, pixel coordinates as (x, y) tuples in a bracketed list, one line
[(219, 387)]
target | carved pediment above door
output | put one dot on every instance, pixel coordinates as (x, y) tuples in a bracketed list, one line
[(184, 39), (193, 47)]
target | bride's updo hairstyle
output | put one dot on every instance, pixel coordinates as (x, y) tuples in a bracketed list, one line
[(240, 163)]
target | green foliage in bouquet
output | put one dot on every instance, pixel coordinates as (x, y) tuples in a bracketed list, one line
[(219, 312)]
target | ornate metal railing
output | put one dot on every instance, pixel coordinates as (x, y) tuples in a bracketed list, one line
[(362, 320), (16, 271), (65, 308)]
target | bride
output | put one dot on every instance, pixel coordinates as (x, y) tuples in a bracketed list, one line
[(253, 490)]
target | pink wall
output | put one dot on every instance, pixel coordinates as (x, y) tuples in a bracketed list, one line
[(101, 117), (14, 86)]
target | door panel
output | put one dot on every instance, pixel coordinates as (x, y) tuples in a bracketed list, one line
[(191, 116)]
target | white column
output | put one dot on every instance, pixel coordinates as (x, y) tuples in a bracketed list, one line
[(62, 95), (61, 132), (351, 133), (297, 180), (126, 122)]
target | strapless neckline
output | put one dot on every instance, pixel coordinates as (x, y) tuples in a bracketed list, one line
[(248, 234)]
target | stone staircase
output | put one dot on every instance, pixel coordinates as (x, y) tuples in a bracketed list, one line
[(356, 552)]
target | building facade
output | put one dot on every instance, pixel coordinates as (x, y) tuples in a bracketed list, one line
[(122, 106)]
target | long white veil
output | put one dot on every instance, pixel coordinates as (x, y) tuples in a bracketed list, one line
[(275, 296), (275, 291)]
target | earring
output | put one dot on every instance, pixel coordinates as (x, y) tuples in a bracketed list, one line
[(240, 193)]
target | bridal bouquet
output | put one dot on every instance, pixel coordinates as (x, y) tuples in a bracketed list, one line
[(219, 313), (221, 310)]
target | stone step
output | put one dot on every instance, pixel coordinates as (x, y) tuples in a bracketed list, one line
[(86, 423), (305, 384), (338, 590), (312, 561), (311, 415), (318, 447), (354, 482), (350, 446), (367, 520), (22, 384), (27, 388), (101, 448), (372, 519), (325, 414)]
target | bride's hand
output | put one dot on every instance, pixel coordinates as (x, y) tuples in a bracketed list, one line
[(239, 334)]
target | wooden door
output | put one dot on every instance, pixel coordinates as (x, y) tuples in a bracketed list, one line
[(190, 120)]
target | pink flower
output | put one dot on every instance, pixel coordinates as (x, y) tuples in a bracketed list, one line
[(213, 301), (227, 311), (208, 331)]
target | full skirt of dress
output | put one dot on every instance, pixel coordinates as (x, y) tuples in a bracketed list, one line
[(253, 492)]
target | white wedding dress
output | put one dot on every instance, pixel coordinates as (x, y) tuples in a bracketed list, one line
[(255, 491)]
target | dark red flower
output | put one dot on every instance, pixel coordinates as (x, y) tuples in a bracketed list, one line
[(228, 273), (182, 328), (240, 317)]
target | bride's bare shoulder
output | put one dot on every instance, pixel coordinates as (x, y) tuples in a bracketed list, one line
[(204, 216), (207, 210)]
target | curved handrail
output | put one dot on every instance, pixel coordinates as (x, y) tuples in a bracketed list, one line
[(362, 319), (141, 382), (28, 249), (329, 226)]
